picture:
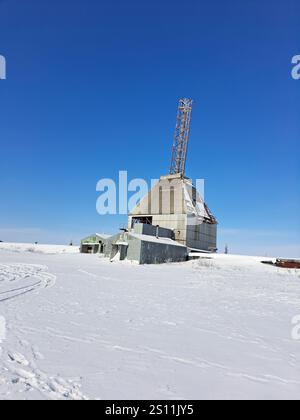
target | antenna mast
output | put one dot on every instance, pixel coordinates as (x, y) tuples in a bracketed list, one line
[(182, 136)]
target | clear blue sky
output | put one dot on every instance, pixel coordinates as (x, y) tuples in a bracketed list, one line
[(92, 88)]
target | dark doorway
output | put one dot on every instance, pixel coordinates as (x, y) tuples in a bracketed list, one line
[(145, 220)]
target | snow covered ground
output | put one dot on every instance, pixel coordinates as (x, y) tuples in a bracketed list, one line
[(39, 248), (76, 326)]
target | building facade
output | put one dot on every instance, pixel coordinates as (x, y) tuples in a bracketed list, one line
[(145, 244), (175, 204)]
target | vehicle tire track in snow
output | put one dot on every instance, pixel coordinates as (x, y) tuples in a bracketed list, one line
[(20, 279), (19, 372)]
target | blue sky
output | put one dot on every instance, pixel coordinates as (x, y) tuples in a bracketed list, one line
[(92, 88)]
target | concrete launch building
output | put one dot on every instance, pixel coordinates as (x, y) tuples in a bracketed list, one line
[(172, 219), (174, 202)]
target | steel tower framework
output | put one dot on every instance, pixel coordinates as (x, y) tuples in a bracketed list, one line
[(182, 136)]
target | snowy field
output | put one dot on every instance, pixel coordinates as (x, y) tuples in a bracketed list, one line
[(39, 248), (76, 326)]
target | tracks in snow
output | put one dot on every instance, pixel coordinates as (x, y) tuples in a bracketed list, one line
[(21, 374), (20, 279), (18, 368)]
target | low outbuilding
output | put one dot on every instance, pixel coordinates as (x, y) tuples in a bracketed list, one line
[(146, 244), (94, 244)]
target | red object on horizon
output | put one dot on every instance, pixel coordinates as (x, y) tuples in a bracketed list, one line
[(288, 263)]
